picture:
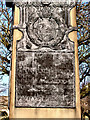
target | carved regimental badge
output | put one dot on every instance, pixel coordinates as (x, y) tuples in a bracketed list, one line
[(45, 56)]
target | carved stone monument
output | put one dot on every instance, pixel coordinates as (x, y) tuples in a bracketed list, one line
[(45, 59), (45, 56)]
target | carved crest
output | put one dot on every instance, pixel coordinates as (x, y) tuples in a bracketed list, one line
[(45, 25)]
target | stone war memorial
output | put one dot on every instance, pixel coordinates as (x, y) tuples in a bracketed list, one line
[(44, 79)]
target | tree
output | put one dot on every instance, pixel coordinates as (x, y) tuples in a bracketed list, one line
[(5, 42), (83, 39), (84, 53)]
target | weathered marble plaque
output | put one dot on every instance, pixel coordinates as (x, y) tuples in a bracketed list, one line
[(45, 56)]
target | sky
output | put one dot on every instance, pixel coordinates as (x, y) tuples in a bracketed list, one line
[(85, 0)]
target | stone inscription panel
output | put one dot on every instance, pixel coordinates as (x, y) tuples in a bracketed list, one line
[(45, 55), (45, 79)]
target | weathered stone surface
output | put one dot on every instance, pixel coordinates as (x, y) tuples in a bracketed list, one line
[(45, 79), (45, 57)]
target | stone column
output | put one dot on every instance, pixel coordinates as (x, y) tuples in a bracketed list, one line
[(50, 112)]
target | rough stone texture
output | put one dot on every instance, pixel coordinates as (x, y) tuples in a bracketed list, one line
[(45, 79), (45, 57)]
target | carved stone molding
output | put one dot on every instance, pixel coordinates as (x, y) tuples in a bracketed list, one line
[(45, 56), (45, 25)]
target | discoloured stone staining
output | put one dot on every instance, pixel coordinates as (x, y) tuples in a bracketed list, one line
[(45, 78), (47, 26), (45, 57)]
